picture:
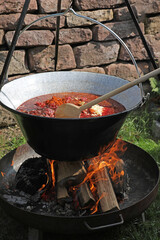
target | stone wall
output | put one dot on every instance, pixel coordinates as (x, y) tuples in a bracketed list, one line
[(84, 46)]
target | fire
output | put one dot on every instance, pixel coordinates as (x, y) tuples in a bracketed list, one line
[(3, 174), (51, 162), (94, 209), (44, 185), (12, 163), (98, 171), (95, 171), (109, 159), (49, 194)]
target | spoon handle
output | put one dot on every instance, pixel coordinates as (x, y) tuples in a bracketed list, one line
[(121, 89)]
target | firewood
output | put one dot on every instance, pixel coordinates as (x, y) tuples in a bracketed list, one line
[(85, 196), (105, 192), (62, 194), (70, 173), (119, 183)]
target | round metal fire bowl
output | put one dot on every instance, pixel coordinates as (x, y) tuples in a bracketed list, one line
[(68, 139), (143, 174)]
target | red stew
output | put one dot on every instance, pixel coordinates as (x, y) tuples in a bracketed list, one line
[(46, 105)]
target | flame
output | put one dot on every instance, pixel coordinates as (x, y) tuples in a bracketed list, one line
[(112, 157), (44, 185), (94, 209), (12, 163), (51, 162), (49, 194), (3, 174), (110, 160)]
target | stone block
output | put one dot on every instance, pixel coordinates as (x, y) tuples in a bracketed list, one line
[(138, 50), (51, 5), (93, 4), (144, 7), (136, 47), (122, 14), (154, 44), (9, 21), (31, 38), (125, 71), (42, 58), (153, 25), (96, 54), (17, 64), (66, 59), (48, 23), (124, 29), (12, 6), (99, 15), (75, 35)]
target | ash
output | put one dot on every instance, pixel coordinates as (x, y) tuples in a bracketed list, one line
[(33, 204)]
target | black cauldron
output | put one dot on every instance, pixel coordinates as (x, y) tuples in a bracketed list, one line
[(68, 139)]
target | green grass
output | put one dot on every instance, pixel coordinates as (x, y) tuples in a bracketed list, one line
[(14, 143), (137, 130), (10, 139)]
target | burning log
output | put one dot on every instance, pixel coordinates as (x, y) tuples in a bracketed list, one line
[(118, 180), (105, 191), (85, 196), (70, 173), (62, 194)]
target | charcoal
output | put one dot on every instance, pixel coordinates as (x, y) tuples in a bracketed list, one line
[(31, 175)]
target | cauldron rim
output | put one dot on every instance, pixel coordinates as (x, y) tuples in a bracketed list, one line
[(68, 119)]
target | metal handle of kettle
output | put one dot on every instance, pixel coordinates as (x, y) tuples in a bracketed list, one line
[(18, 32)]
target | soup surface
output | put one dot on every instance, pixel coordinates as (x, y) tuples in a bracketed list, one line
[(46, 105)]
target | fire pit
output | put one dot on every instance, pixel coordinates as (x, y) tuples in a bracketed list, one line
[(133, 198)]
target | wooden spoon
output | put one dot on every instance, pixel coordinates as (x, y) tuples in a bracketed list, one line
[(69, 110)]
